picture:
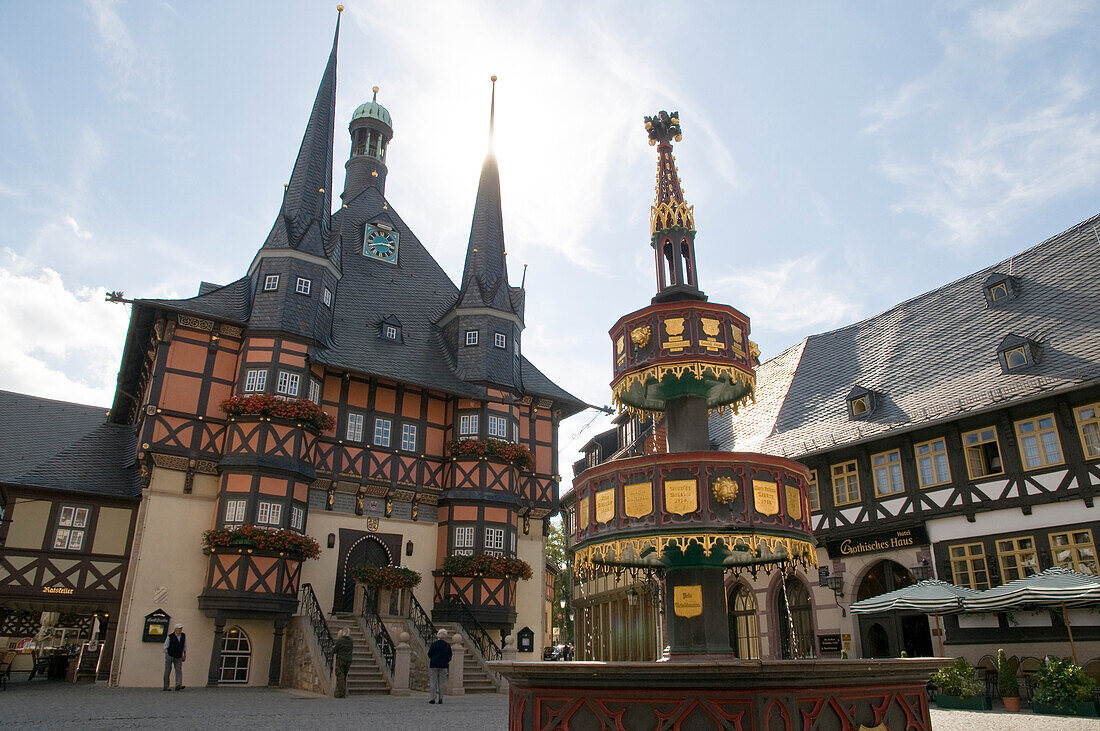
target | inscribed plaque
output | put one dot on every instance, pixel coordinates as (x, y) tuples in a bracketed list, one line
[(765, 496), (794, 502), (681, 496), (638, 499), (605, 505), (687, 601), (582, 513)]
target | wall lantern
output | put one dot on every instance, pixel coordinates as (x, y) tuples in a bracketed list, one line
[(409, 548), (332, 540), (922, 570)]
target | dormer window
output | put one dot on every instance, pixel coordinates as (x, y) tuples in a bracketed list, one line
[(1017, 353), (861, 402), (1000, 288), (390, 329)]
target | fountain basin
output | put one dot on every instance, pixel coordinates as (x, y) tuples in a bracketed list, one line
[(745, 695)]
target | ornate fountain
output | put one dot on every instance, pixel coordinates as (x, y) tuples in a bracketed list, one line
[(689, 516)]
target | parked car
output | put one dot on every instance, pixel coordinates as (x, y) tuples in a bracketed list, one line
[(552, 652)]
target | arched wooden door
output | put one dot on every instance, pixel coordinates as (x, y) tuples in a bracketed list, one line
[(367, 550)]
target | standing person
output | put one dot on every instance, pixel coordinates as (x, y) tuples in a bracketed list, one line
[(342, 651), (175, 653), (439, 662)]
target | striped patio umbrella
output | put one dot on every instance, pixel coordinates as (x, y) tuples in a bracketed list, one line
[(930, 596), (1055, 587)]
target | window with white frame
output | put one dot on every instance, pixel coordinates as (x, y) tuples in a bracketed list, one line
[(932, 466), (382, 429), (1088, 426), (303, 285), (463, 541), (886, 470), (288, 383), (500, 340), (813, 493), (494, 539), (467, 426), (234, 511), (1039, 445), (408, 437), (255, 380), (315, 391), (390, 332), (327, 297), (271, 282), (471, 337), (513, 544), (498, 427), (355, 428), (515, 432), (297, 518), (268, 513), (72, 522)]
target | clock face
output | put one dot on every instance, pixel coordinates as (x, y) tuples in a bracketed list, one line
[(380, 244)]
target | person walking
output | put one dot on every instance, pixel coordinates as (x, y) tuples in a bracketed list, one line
[(439, 663), (175, 654), (342, 651)]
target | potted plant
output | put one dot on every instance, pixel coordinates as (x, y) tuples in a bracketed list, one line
[(957, 686), (391, 583), (1062, 688), (1007, 685)]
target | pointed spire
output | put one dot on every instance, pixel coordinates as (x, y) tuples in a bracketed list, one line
[(303, 220), (485, 275)]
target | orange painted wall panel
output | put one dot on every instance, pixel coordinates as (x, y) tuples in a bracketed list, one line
[(543, 430), (496, 515), (237, 483), (301, 491), (258, 355), (463, 512), (433, 441), (437, 410), (218, 392), (292, 360), (385, 400), (293, 347), (272, 486), (180, 393), (357, 394), (331, 389), (187, 356), (261, 343), (543, 459), (410, 406), (468, 403), (225, 366), (441, 545)]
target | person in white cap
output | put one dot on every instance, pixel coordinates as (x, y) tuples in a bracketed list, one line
[(439, 663), (175, 653)]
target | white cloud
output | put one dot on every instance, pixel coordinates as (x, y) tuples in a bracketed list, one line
[(116, 45), (910, 98), (793, 295), (77, 231), (59, 342), (987, 180), (1026, 20)]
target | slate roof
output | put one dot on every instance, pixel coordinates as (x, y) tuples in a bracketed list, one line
[(65, 446), (233, 302), (932, 358), (485, 274)]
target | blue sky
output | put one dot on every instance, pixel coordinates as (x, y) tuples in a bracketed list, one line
[(841, 157)]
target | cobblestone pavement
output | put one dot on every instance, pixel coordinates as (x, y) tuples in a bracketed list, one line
[(55, 705)]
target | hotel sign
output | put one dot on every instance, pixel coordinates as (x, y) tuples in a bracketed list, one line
[(876, 542)]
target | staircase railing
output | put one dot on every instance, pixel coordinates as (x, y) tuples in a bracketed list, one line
[(421, 622), (477, 634), (381, 635), (311, 609)]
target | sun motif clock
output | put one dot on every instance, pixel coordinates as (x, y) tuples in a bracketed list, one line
[(378, 243)]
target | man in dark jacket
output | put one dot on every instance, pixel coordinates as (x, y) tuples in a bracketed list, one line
[(439, 662), (342, 651), (175, 652)]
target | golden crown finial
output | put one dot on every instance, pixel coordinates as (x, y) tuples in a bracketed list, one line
[(339, 8), (493, 77), (374, 89)]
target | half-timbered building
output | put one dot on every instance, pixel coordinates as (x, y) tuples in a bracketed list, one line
[(350, 312), (956, 435)]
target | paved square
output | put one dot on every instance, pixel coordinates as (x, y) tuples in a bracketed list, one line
[(54, 705)]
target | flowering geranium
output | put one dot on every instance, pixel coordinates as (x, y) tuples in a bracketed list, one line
[(281, 540), (491, 567), (517, 454), (264, 404), (386, 577)]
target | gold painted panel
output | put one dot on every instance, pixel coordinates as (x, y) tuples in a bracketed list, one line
[(605, 505), (674, 329), (638, 499), (582, 513), (681, 496), (765, 496), (687, 601), (794, 502)]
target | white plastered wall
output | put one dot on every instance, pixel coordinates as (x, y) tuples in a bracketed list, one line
[(530, 601)]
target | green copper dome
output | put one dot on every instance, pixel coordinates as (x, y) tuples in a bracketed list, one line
[(373, 110)]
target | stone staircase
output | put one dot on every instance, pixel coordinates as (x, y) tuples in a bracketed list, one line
[(364, 676), (475, 677)]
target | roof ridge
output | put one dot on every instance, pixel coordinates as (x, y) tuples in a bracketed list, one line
[(985, 270)]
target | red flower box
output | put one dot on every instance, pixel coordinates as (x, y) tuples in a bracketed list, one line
[(517, 454), (280, 540), (264, 404)]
